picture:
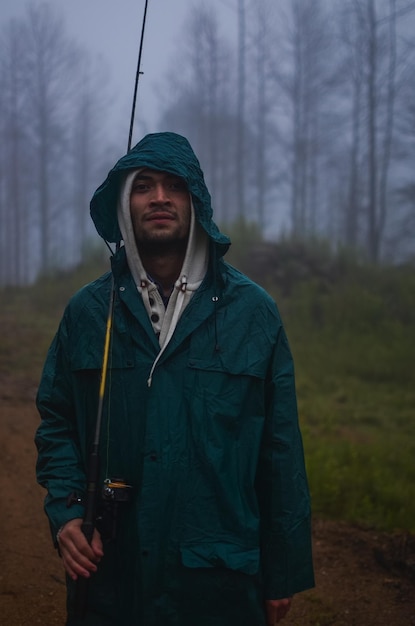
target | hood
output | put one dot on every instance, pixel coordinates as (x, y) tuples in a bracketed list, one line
[(167, 152)]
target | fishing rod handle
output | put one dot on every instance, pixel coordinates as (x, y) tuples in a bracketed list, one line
[(81, 597), (88, 527)]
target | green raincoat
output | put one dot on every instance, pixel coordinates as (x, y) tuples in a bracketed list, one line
[(219, 517)]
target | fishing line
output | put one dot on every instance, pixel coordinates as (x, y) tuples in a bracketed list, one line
[(137, 77)]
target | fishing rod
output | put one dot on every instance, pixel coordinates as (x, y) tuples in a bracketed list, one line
[(92, 492), (137, 77)]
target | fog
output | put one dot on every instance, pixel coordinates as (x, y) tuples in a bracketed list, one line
[(111, 31), (301, 113)]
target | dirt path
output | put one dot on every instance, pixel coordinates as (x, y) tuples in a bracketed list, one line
[(364, 578)]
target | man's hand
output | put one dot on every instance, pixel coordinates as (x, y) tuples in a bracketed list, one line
[(276, 610), (79, 558)]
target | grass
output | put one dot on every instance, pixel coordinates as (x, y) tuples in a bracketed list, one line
[(352, 342), (353, 349), (29, 318)]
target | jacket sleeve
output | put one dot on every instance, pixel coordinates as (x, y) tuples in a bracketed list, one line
[(60, 467), (282, 488)]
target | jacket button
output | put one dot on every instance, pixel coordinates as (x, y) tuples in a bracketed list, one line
[(151, 301), (153, 456), (154, 317)]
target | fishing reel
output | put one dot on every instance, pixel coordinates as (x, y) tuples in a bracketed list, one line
[(116, 490), (115, 494)]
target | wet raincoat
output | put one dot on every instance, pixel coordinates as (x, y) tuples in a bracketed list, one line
[(219, 517)]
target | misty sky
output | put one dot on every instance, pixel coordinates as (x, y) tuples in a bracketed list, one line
[(112, 28)]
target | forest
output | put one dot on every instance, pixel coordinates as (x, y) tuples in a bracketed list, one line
[(304, 124)]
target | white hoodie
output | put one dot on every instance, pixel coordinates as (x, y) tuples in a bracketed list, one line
[(164, 319)]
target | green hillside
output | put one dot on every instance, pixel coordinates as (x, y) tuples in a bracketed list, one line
[(352, 333)]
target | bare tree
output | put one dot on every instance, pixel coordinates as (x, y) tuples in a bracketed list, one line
[(390, 98), (87, 123), (372, 75), (49, 111), (13, 220), (320, 132), (377, 64), (351, 36), (308, 81), (49, 74), (261, 38), (241, 95), (203, 109)]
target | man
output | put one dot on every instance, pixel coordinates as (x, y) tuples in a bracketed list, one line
[(199, 418)]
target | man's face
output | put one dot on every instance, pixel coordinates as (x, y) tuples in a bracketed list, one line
[(160, 209)]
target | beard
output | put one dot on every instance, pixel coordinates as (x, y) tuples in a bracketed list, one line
[(161, 244)]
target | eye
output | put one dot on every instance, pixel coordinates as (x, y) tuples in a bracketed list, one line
[(140, 186), (178, 185)]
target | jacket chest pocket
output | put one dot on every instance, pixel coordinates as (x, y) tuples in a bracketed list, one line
[(226, 396), (229, 383), (225, 409)]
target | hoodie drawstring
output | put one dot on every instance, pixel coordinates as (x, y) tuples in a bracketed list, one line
[(181, 286)]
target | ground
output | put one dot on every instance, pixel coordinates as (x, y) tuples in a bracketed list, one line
[(363, 577)]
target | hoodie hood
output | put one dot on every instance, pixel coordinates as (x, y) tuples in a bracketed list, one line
[(166, 152)]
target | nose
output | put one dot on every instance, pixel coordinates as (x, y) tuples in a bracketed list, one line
[(160, 194)]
